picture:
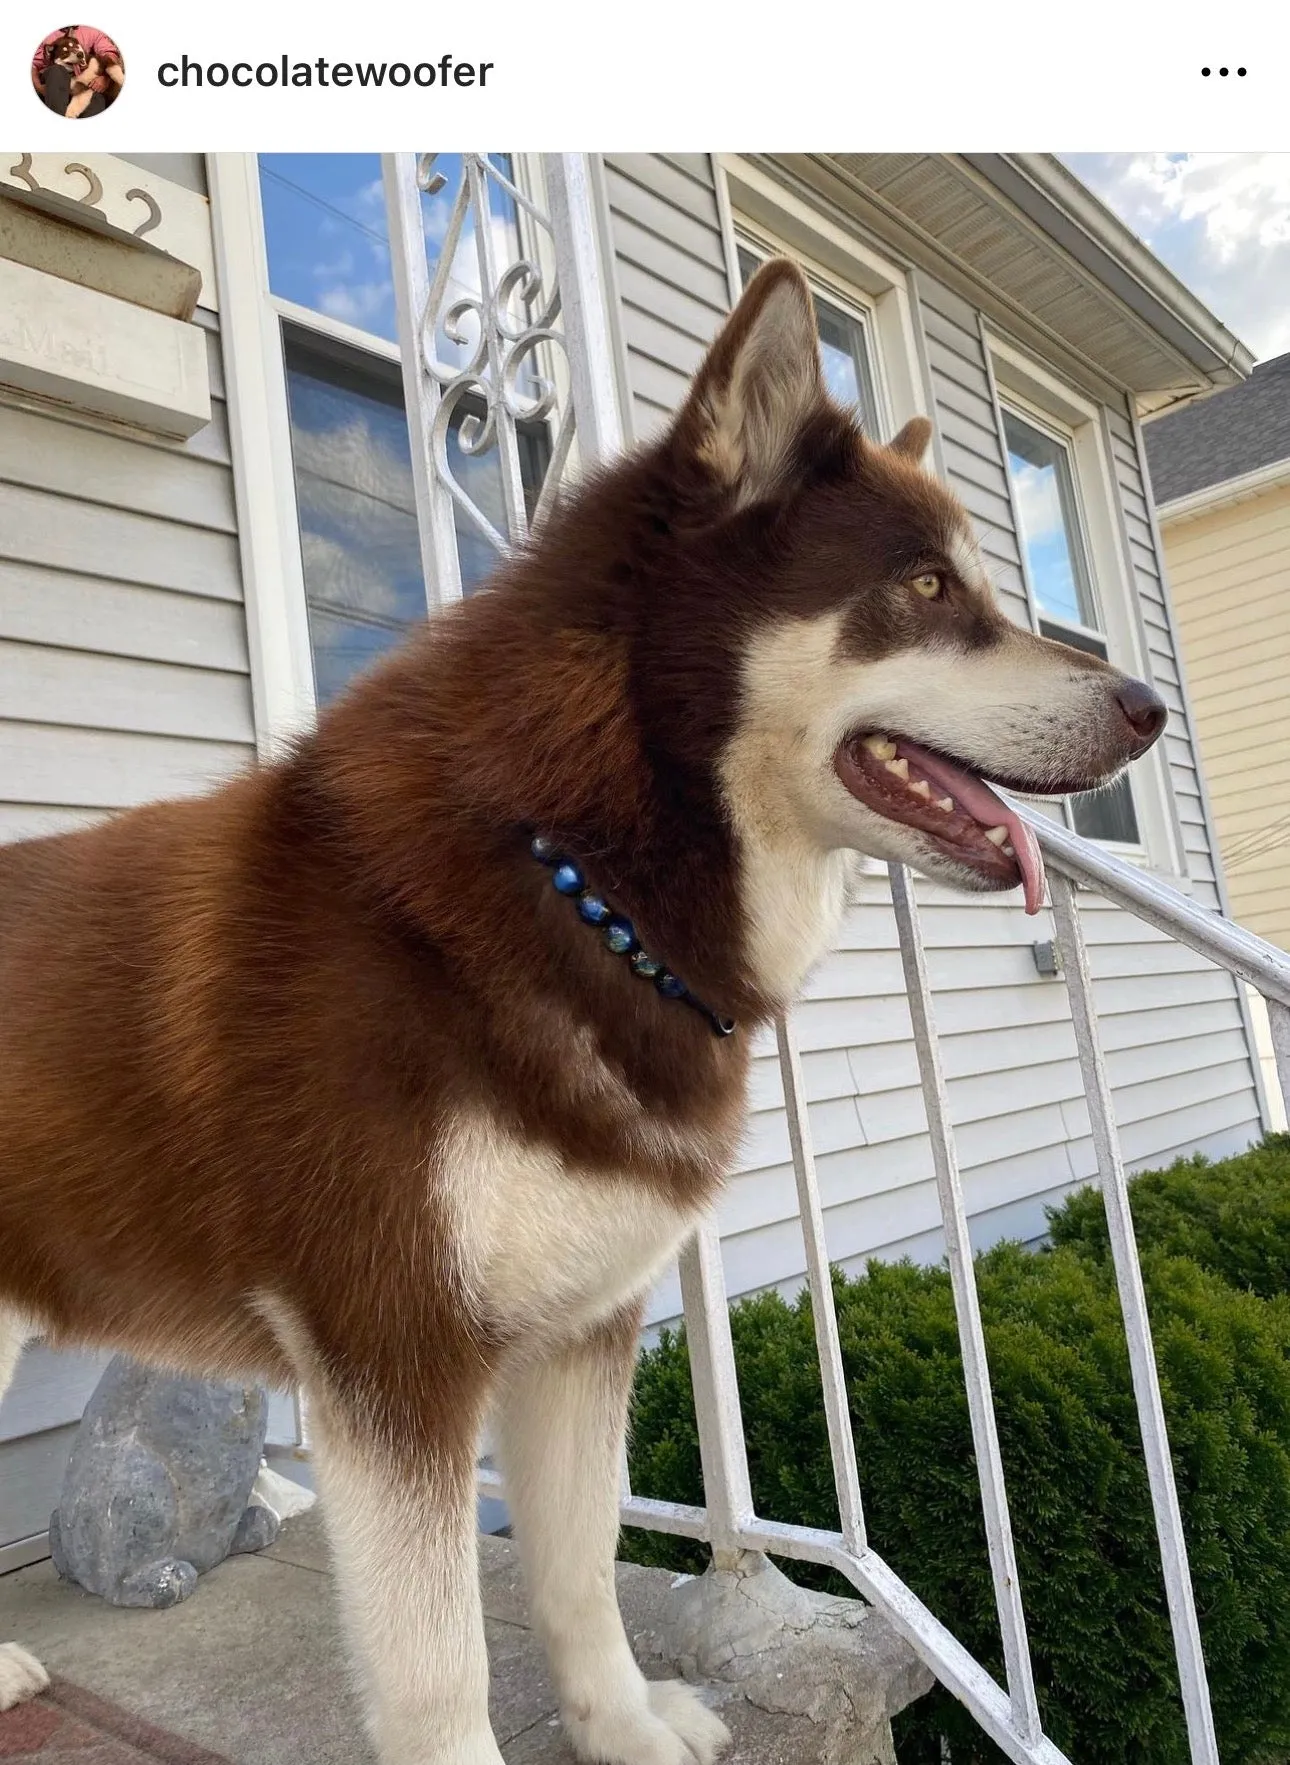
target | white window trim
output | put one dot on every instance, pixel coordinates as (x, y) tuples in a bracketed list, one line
[(1043, 398), (845, 301), (846, 269), (273, 580), (305, 318)]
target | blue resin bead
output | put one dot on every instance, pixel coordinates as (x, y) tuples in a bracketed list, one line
[(568, 879), (592, 908), (543, 849), (668, 985), (645, 966), (620, 936)]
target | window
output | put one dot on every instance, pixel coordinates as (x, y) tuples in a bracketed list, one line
[(359, 540), (845, 351), (331, 283), (328, 244), (1055, 549), (326, 236), (354, 499)]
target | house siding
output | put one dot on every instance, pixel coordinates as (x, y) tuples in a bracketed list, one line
[(1230, 573), (1172, 1025), (124, 675), (670, 264), (124, 672)]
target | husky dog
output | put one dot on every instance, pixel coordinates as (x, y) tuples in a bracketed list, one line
[(401, 1067)]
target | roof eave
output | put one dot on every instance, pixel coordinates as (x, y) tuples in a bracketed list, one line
[(1228, 491), (1055, 200)]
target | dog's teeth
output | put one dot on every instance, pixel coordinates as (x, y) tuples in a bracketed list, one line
[(921, 788), (996, 835), (944, 802), (900, 768), (880, 747), (1008, 852)]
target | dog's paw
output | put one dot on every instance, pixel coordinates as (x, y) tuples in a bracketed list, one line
[(674, 1728), (21, 1675), (686, 1714)]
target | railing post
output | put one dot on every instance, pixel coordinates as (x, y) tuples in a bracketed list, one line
[(422, 395), (1137, 1328), (584, 299), (967, 1310), (828, 1346), (1279, 1024), (727, 1489)]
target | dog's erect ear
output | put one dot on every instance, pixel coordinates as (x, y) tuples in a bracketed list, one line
[(757, 387), (913, 440)]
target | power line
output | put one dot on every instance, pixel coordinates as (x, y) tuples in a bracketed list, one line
[(321, 202)]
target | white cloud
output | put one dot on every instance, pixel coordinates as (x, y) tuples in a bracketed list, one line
[(345, 576), (1039, 503), (356, 303), (343, 265), (368, 202), (1220, 221), (356, 455)]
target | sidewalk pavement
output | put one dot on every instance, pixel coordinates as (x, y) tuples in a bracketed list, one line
[(251, 1665)]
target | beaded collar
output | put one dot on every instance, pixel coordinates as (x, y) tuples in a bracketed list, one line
[(618, 932)]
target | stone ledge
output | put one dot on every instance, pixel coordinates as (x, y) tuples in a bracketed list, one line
[(800, 1678)]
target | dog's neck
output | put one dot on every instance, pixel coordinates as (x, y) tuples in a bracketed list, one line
[(793, 898), (496, 726), (499, 727)]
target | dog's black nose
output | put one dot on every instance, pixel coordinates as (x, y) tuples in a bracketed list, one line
[(1144, 710)]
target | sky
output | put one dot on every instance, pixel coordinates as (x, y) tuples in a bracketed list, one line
[(1220, 221)]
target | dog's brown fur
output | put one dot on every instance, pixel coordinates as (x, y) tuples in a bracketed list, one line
[(237, 1031)]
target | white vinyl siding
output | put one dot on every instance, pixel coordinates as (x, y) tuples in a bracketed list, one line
[(671, 271), (124, 676), (37, 1426), (1174, 1034), (124, 672)]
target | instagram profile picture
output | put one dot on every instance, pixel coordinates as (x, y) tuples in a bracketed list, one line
[(77, 70)]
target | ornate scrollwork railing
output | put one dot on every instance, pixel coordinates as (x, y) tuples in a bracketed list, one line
[(489, 350)]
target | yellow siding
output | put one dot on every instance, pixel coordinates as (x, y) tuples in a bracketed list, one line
[(1230, 572)]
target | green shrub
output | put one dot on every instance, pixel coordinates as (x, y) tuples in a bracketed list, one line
[(1232, 1217), (1081, 1510)]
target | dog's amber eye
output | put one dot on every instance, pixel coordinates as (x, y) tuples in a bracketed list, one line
[(931, 584)]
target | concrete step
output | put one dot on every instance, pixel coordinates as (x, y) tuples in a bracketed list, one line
[(252, 1667)]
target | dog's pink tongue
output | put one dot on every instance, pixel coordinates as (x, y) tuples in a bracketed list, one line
[(983, 805)]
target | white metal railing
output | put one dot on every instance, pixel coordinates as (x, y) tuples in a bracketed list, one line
[(1010, 1716), (563, 279)]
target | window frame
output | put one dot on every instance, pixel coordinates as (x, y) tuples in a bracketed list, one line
[(1075, 420), (254, 326), (1013, 405), (766, 214), (844, 301), (1055, 625), (308, 328)]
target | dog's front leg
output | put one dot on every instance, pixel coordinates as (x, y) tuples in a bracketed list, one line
[(401, 1517), (561, 1425)]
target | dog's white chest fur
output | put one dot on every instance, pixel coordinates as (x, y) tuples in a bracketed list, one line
[(537, 1248)]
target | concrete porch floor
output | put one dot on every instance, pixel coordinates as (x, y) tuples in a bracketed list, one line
[(251, 1665)]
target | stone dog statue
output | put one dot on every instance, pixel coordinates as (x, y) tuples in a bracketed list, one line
[(157, 1486)]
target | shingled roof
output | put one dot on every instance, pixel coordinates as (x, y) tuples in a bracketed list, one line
[(1224, 436)]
